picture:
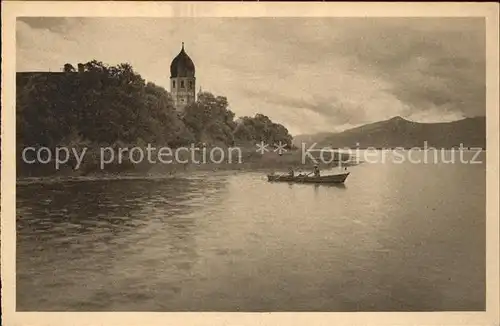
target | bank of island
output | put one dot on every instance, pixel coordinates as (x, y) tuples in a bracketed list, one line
[(100, 106)]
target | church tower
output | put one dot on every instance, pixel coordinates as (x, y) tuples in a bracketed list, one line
[(182, 80)]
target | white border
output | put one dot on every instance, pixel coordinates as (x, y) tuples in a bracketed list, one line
[(10, 10)]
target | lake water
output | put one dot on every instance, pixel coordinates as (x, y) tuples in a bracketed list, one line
[(396, 237)]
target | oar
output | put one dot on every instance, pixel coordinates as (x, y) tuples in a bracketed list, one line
[(277, 177), (305, 176)]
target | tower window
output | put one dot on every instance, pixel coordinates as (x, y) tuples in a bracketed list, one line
[(182, 84), (190, 85), (173, 84)]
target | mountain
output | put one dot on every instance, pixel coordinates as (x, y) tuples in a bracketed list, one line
[(399, 132)]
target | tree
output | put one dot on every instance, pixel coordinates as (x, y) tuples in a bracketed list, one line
[(109, 105), (68, 68), (210, 120), (261, 128)]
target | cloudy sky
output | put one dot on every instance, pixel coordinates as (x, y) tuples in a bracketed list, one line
[(310, 74)]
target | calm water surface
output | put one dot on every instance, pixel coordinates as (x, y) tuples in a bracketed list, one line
[(397, 237)]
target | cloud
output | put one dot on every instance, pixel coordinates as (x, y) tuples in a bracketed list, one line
[(431, 63), (311, 74), (53, 24)]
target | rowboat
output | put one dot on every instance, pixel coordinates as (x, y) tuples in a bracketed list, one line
[(326, 179)]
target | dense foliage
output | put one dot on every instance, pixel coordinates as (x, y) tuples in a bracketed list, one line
[(261, 128), (114, 106)]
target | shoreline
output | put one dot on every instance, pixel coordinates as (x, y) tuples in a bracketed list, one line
[(250, 161), (173, 170)]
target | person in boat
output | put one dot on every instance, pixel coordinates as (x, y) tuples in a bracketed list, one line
[(316, 171), (291, 173)]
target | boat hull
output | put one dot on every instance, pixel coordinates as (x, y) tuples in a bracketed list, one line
[(326, 179)]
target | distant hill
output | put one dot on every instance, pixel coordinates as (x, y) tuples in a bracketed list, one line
[(399, 132)]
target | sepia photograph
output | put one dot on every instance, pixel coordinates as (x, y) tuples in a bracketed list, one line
[(187, 161)]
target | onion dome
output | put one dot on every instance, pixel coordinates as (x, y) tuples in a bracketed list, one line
[(182, 65)]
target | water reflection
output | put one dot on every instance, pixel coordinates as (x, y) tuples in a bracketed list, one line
[(92, 231), (388, 240), (114, 206), (332, 185)]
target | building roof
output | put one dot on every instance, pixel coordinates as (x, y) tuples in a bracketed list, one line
[(182, 65)]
